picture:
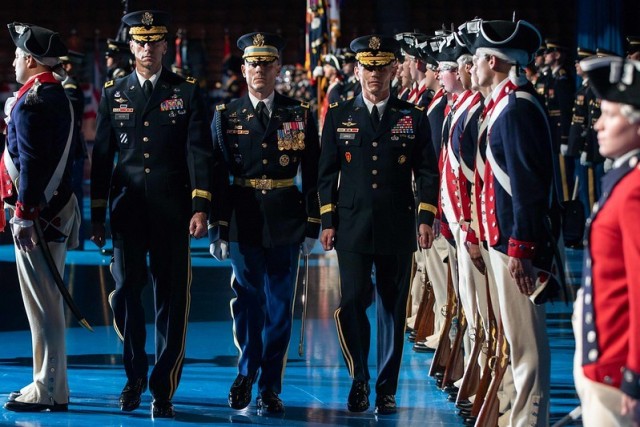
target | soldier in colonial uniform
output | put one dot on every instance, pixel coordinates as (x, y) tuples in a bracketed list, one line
[(263, 140), (351, 85), (155, 121), (36, 186), (371, 147), (607, 362), (516, 206)]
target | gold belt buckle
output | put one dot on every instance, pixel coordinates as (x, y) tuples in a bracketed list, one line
[(264, 184)]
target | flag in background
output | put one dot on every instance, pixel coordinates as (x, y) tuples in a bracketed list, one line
[(333, 7), (317, 35)]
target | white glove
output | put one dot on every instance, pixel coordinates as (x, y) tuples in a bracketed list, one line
[(563, 149), (24, 233), (219, 249), (318, 72), (583, 159), (307, 245)]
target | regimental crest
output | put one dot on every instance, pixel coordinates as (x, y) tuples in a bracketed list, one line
[(374, 43), (147, 19), (258, 40)]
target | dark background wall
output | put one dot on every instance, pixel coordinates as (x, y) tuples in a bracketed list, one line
[(82, 22)]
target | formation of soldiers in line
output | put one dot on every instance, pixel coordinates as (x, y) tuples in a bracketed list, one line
[(438, 141)]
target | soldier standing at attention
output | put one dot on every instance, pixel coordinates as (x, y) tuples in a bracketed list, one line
[(159, 194), (36, 186), (371, 147), (263, 140), (516, 205)]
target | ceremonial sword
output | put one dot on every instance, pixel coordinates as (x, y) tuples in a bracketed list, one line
[(58, 279)]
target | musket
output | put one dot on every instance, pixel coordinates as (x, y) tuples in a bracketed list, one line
[(438, 364), (489, 413), (57, 278), (425, 318), (492, 352), (455, 364), (305, 289), (470, 379)]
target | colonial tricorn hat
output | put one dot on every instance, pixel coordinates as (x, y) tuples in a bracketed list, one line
[(451, 48), (375, 50), (37, 41), (515, 42), (261, 46), (147, 25), (409, 42), (614, 78), (429, 49)]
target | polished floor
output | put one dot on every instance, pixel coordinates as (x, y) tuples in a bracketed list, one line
[(316, 384)]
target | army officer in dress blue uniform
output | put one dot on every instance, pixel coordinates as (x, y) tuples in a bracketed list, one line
[(155, 121), (607, 311), (371, 147), (262, 141)]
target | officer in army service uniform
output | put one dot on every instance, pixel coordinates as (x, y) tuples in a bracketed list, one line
[(371, 147), (159, 194), (262, 140)]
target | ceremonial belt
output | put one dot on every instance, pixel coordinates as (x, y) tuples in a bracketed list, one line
[(263, 183)]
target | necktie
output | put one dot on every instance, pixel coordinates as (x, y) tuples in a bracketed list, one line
[(261, 109), (375, 116), (148, 88)]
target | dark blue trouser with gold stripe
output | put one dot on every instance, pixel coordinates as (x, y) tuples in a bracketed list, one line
[(170, 266), (393, 276), (264, 283)]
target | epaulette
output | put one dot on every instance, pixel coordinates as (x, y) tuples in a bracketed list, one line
[(335, 104), (419, 108), (304, 104), (109, 83), (221, 107), (191, 80)]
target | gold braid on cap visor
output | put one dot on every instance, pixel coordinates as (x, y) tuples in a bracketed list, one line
[(260, 53), (381, 58), (151, 34)]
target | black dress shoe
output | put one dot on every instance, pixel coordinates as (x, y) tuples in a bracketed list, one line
[(470, 421), (421, 347), (269, 403), (13, 395), (359, 396), (464, 404), (385, 404), (240, 392), (464, 413), (16, 406), (162, 409), (130, 396)]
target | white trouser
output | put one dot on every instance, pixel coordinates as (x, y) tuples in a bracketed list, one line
[(45, 311), (437, 273), (417, 288), (526, 333), (600, 403)]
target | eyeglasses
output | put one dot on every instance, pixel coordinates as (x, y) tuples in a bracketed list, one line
[(152, 44), (263, 64), (375, 67)]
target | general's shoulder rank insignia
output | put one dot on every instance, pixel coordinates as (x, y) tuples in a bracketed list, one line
[(191, 80), (109, 83), (221, 107)]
